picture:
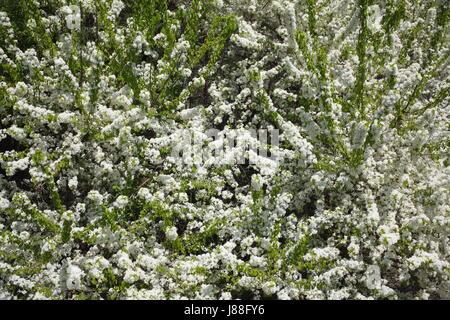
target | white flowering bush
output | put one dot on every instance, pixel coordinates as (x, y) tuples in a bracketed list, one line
[(351, 201)]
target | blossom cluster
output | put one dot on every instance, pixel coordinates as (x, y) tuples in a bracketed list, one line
[(95, 96)]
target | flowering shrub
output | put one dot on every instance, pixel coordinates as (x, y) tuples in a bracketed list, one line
[(96, 97)]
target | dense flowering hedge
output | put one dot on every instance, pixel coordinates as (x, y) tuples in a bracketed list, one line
[(95, 94)]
